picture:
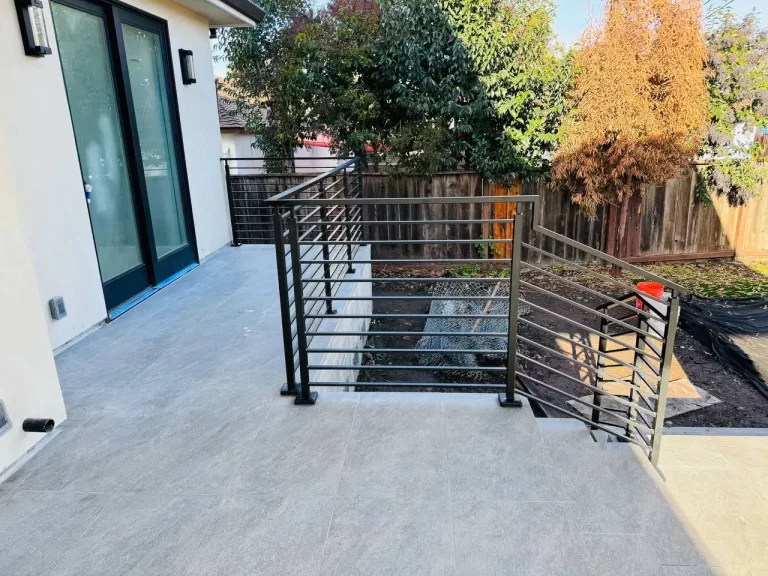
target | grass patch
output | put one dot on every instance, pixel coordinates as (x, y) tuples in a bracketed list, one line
[(708, 279), (716, 279)]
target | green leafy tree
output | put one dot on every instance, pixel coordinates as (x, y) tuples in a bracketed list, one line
[(268, 80), (510, 47), (338, 48), (420, 81), (737, 81), (436, 109)]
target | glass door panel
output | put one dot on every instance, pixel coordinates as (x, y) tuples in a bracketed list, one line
[(149, 91), (90, 86)]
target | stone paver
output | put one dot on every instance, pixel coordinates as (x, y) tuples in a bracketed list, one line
[(720, 486), (180, 458)]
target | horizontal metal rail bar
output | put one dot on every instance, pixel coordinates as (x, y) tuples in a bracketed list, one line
[(404, 242), (379, 316), (589, 290), (575, 323), (407, 367), (585, 346), (617, 399), (373, 333), (606, 317), (420, 222), (449, 280), (435, 261), (402, 351), (579, 400), (468, 386), (285, 199), (588, 271), (283, 196), (591, 368), (494, 298), (607, 257)]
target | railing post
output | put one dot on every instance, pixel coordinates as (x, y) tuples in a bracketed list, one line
[(231, 198), (507, 398), (326, 252), (667, 354), (289, 388), (304, 395), (347, 226)]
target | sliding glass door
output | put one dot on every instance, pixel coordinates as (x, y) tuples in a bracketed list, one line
[(119, 83)]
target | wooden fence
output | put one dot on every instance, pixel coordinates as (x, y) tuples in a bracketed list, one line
[(666, 222)]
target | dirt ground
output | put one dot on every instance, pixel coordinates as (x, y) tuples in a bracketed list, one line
[(742, 405)]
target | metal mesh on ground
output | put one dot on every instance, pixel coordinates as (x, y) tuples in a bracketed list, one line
[(486, 321)]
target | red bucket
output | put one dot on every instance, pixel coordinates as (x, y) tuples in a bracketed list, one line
[(654, 289)]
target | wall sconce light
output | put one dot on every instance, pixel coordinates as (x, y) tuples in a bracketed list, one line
[(32, 24), (187, 66)]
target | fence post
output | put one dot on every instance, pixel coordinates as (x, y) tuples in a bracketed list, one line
[(289, 388), (347, 226), (507, 398), (304, 395), (667, 354), (326, 252), (231, 198)]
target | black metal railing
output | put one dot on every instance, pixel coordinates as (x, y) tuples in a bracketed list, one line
[(304, 235), (250, 181), (523, 329)]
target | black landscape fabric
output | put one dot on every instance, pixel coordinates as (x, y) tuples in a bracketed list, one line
[(737, 331)]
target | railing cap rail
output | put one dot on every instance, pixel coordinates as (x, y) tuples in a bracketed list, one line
[(283, 196)]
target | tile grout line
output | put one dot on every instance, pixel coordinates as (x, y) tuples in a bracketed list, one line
[(249, 452), (91, 524), (338, 486), (186, 568), (450, 490)]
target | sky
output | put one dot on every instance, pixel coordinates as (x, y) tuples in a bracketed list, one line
[(573, 15)]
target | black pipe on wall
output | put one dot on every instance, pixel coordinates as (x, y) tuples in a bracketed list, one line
[(43, 425)]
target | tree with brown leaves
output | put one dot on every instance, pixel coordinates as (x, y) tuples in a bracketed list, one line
[(638, 106)]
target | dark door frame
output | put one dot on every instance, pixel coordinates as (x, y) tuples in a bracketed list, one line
[(154, 271)]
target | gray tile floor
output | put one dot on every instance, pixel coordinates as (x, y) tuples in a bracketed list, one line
[(180, 458)]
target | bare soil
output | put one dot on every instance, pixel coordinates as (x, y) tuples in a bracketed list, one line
[(742, 405)]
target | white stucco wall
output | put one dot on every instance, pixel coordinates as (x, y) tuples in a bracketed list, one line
[(41, 148), (29, 386)]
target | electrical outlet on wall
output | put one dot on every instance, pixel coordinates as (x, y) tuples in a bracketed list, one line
[(58, 309)]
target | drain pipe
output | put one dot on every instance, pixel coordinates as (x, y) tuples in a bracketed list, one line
[(43, 425)]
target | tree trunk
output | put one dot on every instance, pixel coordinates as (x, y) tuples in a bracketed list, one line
[(621, 233)]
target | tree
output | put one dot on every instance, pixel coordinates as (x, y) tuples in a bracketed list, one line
[(638, 105), (268, 80), (339, 51), (510, 47), (737, 80), (437, 84), (435, 104)]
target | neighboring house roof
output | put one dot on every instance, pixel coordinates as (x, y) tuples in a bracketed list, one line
[(229, 117)]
